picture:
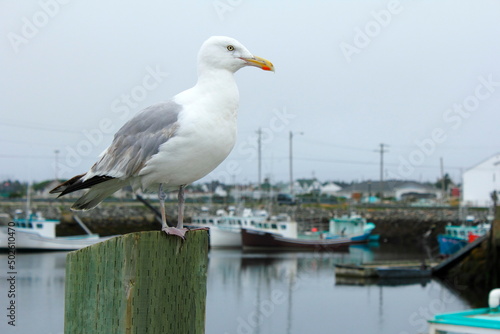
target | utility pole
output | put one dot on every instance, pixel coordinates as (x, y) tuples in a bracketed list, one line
[(291, 161), (56, 166), (291, 164), (443, 185), (382, 151), (259, 158)]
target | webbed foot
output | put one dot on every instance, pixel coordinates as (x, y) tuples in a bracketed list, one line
[(180, 232)]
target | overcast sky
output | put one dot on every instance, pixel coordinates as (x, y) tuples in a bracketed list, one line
[(421, 77)]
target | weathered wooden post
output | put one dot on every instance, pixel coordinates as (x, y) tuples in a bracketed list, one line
[(495, 227), (144, 282)]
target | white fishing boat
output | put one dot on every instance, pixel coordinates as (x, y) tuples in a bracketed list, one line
[(37, 233), (221, 234), (281, 225), (225, 229)]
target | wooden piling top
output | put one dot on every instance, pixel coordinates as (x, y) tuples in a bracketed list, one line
[(144, 282)]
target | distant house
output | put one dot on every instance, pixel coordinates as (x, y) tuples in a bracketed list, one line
[(220, 191), (480, 181), (415, 190), (330, 188), (306, 186)]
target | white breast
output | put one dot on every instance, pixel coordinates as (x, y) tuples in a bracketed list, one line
[(205, 137)]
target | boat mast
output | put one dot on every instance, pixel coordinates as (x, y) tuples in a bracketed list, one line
[(28, 202), (271, 195), (259, 161)]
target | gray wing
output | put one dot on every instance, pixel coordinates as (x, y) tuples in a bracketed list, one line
[(138, 140)]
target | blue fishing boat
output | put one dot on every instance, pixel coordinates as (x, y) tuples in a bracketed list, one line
[(456, 237), (353, 227)]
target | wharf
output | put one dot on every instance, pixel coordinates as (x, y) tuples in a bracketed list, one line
[(386, 269), (405, 269)]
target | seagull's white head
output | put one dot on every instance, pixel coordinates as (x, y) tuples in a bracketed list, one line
[(220, 52)]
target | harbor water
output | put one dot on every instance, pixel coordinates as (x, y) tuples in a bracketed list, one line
[(257, 292)]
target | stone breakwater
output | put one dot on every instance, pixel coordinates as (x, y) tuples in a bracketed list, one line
[(393, 224)]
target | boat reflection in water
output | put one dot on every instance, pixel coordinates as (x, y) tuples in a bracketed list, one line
[(297, 292), (279, 292)]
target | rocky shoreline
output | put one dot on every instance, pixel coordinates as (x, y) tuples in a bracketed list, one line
[(393, 224)]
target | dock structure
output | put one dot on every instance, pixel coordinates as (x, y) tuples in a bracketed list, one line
[(144, 282), (495, 228), (453, 259)]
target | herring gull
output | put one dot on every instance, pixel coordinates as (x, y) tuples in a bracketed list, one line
[(171, 144)]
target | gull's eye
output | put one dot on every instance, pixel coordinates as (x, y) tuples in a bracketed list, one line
[(230, 48)]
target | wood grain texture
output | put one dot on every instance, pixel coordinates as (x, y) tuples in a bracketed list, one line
[(144, 282)]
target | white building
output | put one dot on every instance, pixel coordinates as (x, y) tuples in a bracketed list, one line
[(330, 188), (399, 189), (412, 189), (480, 181)]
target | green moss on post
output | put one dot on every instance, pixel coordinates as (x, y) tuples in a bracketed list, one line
[(144, 282)]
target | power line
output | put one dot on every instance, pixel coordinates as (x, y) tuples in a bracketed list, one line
[(37, 127), (14, 156), (353, 148), (30, 143), (44, 127), (339, 161)]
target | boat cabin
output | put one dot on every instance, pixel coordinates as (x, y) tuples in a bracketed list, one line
[(463, 232), (35, 223), (349, 225), (281, 224), (205, 220)]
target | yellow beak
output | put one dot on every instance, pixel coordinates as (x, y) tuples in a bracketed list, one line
[(262, 63)]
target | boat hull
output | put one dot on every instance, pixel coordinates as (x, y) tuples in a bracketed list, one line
[(33, 241), (449, 245), (224, 238), (254, 239), (403, 272), (383, 271), (355, 239)]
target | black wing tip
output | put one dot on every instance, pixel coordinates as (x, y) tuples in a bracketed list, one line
[(58, 189), (76, 183), (66, 185)]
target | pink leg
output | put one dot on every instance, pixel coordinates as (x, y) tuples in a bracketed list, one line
[(179, 230)]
